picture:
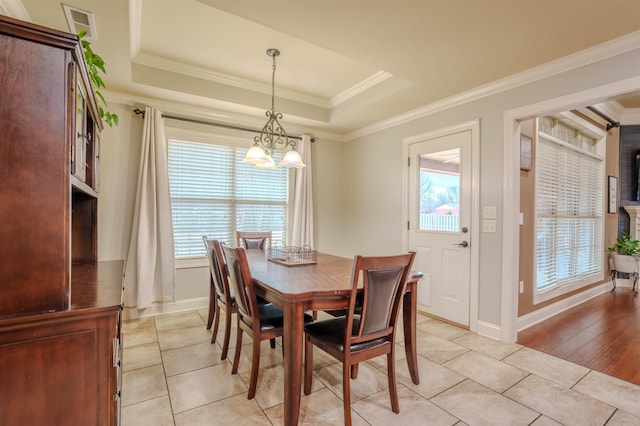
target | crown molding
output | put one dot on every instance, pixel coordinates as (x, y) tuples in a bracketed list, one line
[(204, 113), (362, 86), (594, 54), (226, 79), (14, 9)]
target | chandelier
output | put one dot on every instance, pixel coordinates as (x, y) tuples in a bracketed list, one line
[(273, 137)]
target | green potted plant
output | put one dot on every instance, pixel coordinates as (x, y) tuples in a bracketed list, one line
[(95, 65), (625, 254)]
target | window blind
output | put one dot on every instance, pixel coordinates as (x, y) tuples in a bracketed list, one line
[(569, 208), (214, 193)]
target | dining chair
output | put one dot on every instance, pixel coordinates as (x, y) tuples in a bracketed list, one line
[(254, 240), (220, 296), (366, 332), (260, 321)]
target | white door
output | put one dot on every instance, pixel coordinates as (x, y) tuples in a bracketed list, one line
[(440, 219)]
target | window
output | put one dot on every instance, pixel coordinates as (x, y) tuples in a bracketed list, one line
[(569, 211), (214, 193), (440, 191)]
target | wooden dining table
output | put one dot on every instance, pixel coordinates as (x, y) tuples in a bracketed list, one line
[(323, 285)]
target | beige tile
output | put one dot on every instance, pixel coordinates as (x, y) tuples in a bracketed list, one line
[(476, 405), (414, 409), (154, 412), (441, 329), (399, 337), (268, 356), (237, 410), (490, 347), (622, 418), (270, 387), (321, 408), (179, 320), (189, 358), (143, 384), (201, 387), (422, 318), (139, 356), (489, 372), (381, 361), (204, 314), (138, 332), (559, 403), (434, 378), (171, 339), (438, 349), (246, 339), (370, 380), (545, 421), (322, 359), (613, 391), (557, 370)]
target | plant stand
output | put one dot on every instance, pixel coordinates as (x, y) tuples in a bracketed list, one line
[(632, 275), (627, 266)]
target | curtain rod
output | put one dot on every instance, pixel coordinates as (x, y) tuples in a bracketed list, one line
[(610, 123), (210, 123)]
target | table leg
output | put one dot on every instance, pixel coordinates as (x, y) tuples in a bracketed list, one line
[(293, 333), (409, 307)]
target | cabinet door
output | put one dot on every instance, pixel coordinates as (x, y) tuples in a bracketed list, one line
[(96, 162), (79, 161), (35, 108)]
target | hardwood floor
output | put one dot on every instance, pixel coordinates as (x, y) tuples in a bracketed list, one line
[(602, 334)]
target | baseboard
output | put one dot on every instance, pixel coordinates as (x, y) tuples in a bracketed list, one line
[(161, 308), (547, 312), (489, 330)]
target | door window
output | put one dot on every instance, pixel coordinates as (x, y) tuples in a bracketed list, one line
[(440, 191)]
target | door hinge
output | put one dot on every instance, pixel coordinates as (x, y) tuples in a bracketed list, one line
[(408, 226), (409, 161)]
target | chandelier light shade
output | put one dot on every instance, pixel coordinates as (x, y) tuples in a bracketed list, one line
[(273, 137)]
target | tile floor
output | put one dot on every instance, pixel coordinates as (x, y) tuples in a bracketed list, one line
[(172, 375)]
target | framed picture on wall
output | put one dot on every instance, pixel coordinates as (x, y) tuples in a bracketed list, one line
[(612, 205), (526, 152)]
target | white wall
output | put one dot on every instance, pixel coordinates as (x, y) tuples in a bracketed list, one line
[(119, 158)]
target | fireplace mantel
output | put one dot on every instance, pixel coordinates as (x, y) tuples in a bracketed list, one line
[(634, 225)]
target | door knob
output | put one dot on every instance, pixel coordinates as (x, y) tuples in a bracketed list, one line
[(462, 244)]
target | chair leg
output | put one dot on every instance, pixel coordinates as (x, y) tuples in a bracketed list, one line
[(354, 371), (272, 342), (236, 358), (308, 365), (393, 390), (227, 332), (213, 305), (216, 321), (346, 392), (255, 368)]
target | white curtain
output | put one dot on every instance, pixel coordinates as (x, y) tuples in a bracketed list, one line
[(150, 268), (302, 223)]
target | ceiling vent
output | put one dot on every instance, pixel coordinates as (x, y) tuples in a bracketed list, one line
[(79, 20)]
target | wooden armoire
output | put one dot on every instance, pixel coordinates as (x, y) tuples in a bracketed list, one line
[(59, 307)]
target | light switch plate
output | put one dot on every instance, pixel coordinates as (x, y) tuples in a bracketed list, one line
[(489, 212), (489, 225)]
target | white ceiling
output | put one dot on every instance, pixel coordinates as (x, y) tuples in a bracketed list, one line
[(344, 64)]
